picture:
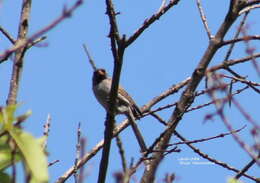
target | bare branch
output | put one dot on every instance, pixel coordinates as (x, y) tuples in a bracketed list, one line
[(246, 38), (118, 47), (232, 62), (249, 83), (121, 153), (165, 94), (216, 100), (162, 6), (231, 47), (23, 43), (46, 131), (249, 8), (150, 21), (78, 149), (19, 55), (217, 162), (242, 172), (7, 35), (209, 138), (187, 96), (243, 145), (52, 163), (252, 2), (204, 19), (36, 41), (146, 108)]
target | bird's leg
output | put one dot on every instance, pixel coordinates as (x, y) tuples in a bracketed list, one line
[(137, 132)]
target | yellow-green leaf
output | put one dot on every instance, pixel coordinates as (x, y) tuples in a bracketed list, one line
[(233, 180), (6, 158), (7, 115), (33, 154)]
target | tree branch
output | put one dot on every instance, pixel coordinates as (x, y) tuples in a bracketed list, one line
[(117, 46), (146, 108), (187, 96), (19, 54), (7, 35), (23, 43), (204, 19), (150, 21)]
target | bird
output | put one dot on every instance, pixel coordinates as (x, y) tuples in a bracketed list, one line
[(101, 85)]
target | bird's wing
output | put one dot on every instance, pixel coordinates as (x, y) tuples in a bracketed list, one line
[(126, 98)]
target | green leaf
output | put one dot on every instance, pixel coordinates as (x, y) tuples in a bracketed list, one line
[(5, 178), (33, 154), (6, 154), (6, 158), (29, 147), (7, 115)]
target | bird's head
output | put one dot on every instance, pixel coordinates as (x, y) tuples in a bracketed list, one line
[(99, 75)]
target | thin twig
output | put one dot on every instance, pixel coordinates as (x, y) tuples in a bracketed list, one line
[(33, 43), (162, 6), (66, 13), (150, 21), (251, 2), (250, 50), (209, 138), (206, 156), (245, 38), (146, 108), (52, 163), (232, 62), (231, 47), (158, 118), (7, 35), (204, 19), (249, 83), (36, 41), (170, 91), (121, 153), (152, 112), (246, 114), (78, 147), (46, 131), (217, 162), (249, 8), (235, 136), (187, 96), (250, 5), (82, 152), (246, 168), (216, 100)]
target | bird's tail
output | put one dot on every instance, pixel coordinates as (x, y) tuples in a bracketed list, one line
[(136, 111)]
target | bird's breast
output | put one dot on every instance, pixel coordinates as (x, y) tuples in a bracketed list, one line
[(102, 91)]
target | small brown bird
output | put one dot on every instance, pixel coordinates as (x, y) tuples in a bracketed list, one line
[(124, 103)]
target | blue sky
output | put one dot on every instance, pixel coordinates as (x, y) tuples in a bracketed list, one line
[(57, 81)]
